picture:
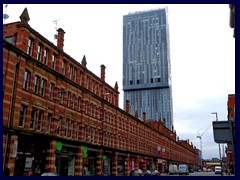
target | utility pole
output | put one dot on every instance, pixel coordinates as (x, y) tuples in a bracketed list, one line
[(218, 144)]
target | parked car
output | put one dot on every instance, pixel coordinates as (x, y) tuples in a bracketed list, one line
[(49, 174), (147, 173), (137, 172), (155, 173)]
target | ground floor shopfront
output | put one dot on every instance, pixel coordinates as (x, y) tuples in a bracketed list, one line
[(33, 155)]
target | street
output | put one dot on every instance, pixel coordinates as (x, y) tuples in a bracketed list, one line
[(196, 174)]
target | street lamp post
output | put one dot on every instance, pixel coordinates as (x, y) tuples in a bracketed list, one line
[(218, 143)]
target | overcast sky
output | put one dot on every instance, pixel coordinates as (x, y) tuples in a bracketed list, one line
[(202, 50)]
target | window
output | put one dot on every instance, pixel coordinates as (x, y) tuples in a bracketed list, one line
[(43, 85), (53, 61), (80, 78), (77, 130), (36, 84), (68, 99), (45, 56), (73, 100), (87, 82), (59, 124), (61, 96), (63, 67), (40, 118), (79, 104), (74, 74), (51, 88), (70, 71), (49, 123), (26, 80), (22, 115), (39, 52), (30, 46), (85, 133), (33, 119), (12, 39)]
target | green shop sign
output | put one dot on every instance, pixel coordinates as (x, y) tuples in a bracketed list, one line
[(59, 146)]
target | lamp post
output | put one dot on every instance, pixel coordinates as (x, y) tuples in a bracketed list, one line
[(103, 118), (218, 144)]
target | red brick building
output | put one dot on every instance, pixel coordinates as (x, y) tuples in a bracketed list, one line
[(60, 117)]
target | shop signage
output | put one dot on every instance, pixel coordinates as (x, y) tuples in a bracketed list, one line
[(158, 150), (59, 146), (163, 152), (85, 149), (104, 157), (84, 155)]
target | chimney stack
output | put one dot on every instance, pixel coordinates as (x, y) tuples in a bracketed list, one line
[(103, 72), (144, 117), (127, 106), (60, 38)]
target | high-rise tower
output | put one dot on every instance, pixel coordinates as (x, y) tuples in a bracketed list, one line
[(146, 65)]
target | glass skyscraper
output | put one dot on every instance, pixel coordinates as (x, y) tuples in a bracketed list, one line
[(146, 65)]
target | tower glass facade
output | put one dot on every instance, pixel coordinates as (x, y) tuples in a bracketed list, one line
[(146, 65)]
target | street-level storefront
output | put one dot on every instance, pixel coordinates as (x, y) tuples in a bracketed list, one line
[(30, 155), (107, 163), (65, 160), (121, 169), (90, 162)]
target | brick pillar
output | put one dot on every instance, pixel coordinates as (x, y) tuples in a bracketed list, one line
[(99, 163), (51, 157), (136, 165), (11, 161), (127, 168), (79, 162), (144, 164), (115, 164), (156, 163)]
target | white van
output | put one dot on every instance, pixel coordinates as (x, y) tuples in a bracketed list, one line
[(218, 170), (173, 169), (183, 169)]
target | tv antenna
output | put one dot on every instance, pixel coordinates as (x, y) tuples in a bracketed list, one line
[(55, 22), (5, 16)]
